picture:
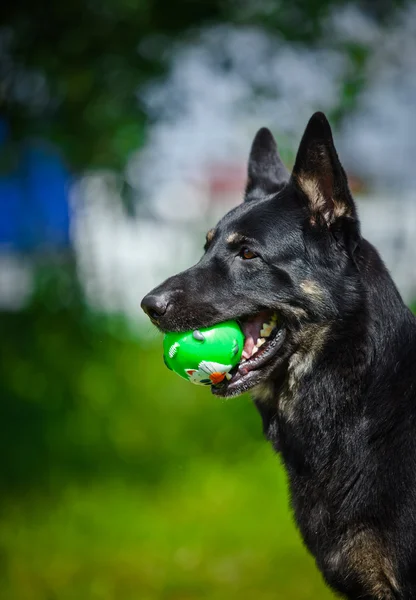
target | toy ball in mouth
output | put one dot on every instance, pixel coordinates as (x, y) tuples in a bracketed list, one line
[(204, 356)]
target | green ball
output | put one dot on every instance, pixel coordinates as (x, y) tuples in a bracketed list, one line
[(204, 356)]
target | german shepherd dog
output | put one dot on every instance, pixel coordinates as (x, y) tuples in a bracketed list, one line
[(329, 358)]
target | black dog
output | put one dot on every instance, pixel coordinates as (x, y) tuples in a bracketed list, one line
[(329, 357)]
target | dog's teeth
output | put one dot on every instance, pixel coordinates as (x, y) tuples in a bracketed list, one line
[(253, 352), (266, 329), (260, 342)]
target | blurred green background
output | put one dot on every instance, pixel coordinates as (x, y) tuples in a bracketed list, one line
[(118, 479)]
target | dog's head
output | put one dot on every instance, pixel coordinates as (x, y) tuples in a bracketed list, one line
[(280, 261)]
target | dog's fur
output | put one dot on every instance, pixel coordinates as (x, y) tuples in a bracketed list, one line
[(338, 400)]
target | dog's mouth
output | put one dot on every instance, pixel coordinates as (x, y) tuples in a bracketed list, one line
[(264, 335)]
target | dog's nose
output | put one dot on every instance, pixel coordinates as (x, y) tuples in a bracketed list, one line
[(155, 305)]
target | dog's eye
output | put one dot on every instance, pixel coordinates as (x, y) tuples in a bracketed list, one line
[(247, 254)]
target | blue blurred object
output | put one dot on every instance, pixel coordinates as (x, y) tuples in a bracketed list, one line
[(34, 211)]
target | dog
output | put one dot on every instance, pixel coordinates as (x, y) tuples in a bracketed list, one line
[(329, 358)]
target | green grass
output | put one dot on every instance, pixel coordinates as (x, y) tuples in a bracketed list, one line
[(120, 481), (213, 530)]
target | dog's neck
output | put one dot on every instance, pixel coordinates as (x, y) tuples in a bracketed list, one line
[(362, 345)]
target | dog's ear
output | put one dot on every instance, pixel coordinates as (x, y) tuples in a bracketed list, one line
[(319, 175), (266, 171)]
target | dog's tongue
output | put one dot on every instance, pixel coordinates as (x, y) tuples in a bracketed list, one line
[(251, 330)]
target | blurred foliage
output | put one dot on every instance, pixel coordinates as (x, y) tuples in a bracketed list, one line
[(120, 480), (212, 531), (71, 71)]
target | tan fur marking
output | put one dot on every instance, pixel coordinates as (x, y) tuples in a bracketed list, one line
[(363, 555), (285, 404), (317, 202), (210, 235), (312, 288), (341, 209), (263, 392), (310, 187), (234, 238), (300, 364), (298, 312), (311, 340), (293, 311)]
